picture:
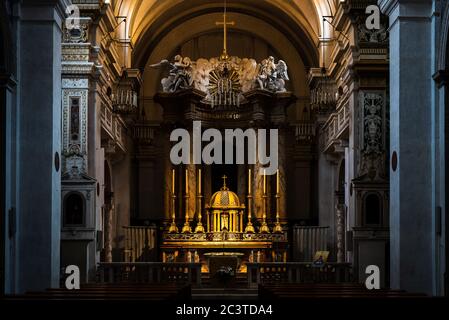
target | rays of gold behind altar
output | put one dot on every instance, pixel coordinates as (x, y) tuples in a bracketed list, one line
[(225, 79)]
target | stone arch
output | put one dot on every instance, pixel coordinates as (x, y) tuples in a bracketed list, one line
[(74, 209), (148, 33), (372, 209)]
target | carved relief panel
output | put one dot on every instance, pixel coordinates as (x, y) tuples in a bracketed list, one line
[(74, 126), (373, 135)]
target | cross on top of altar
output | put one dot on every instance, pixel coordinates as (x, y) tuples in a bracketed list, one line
[(225, 25), (224, 182)]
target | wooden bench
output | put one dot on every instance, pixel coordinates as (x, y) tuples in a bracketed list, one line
[(112, 292), (340, 290)]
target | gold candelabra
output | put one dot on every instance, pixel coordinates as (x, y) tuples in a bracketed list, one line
[(173, 228), (277, 225), (264, 227), (249, 227), (199, 227), (186, 228)]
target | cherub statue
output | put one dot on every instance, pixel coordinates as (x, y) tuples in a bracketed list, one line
[(272, 76), (279, 77), (266, 69), (179, 76)]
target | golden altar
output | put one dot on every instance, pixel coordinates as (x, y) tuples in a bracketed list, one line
[(229, 229)]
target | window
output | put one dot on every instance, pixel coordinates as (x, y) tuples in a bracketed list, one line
[(74, 210)]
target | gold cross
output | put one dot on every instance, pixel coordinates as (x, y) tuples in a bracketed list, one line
[(225, 25), (224, 180)]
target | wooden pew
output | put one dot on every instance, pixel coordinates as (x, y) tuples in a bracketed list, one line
[(340, 290), (112, 292)]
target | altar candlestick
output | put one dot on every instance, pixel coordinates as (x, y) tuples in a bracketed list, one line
[(186, 228), (277, 181), (249, 181), (199, 181), (264, 182), (173, 181), (199, 227), (187, 181), (249, 227), (277, 225), (173, 228), (264, 227)]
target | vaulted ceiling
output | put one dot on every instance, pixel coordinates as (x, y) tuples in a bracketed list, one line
[(150, 21), (159, 29)]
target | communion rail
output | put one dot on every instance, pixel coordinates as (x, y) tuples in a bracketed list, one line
[(190, 273), (149, 272), (297, 272)]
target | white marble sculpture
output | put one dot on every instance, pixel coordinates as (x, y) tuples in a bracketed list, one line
[(184, 73), (180, 74)]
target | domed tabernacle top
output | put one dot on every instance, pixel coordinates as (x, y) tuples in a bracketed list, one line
[(224, 198)]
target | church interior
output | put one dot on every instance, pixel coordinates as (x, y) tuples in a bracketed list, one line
[(93, 91)]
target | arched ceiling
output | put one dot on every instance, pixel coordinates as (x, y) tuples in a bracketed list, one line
[(159, 28), (167, 45), (149, 21)]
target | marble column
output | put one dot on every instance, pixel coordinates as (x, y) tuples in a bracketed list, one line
[(192, 175), (411, 248), (108, 218), (340, 222), (40, 144)]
